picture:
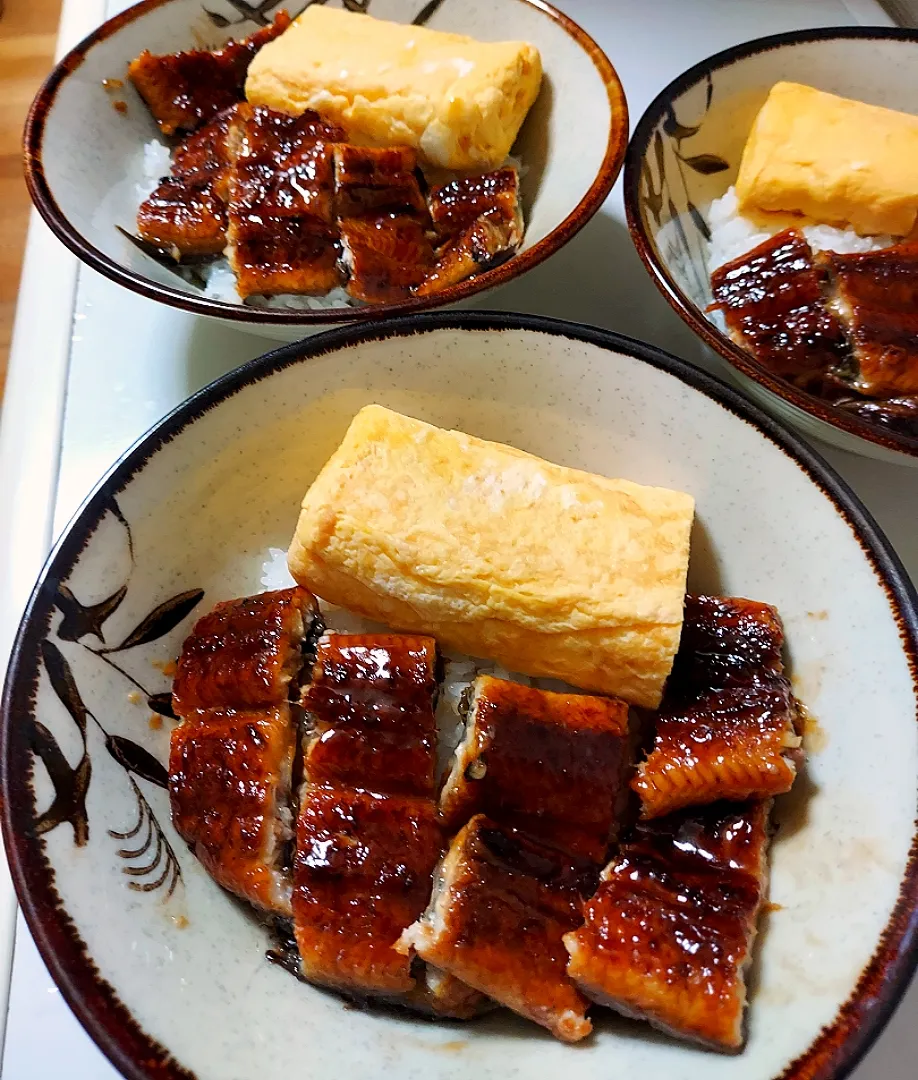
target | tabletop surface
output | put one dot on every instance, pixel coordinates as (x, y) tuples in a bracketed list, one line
[(122, 362)]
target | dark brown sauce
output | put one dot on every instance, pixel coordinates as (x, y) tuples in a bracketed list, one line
[(552, 765), (184, 90), (842, 327), (773, 304), (727, 725)]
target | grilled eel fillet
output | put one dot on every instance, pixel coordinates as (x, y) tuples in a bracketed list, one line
[(479, 222), (500, 907), (231, 691), (300, 211), (186, 89), (774, 307), (874, 294), (669, 932), (186, 213), (556, 766), (368, 834), (282, 234), (542, 776), (726, 728)]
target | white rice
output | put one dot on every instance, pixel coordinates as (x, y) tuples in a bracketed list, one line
[(156, 161), (733, 234), (460, 670)]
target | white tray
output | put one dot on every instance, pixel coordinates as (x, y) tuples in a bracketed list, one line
[(93, 366)]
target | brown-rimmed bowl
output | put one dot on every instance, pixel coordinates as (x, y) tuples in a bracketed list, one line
[(168, 973), (685, 152), (84, 142)]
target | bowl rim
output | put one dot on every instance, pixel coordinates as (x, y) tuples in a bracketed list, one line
[(639, 146), (518, 264), (836, 1050)]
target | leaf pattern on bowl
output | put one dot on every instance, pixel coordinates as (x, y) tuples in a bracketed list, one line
[(149, 857), (262, 13), (665, 198)]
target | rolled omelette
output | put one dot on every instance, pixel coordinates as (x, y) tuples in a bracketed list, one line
[(547, 570), (458, 101)]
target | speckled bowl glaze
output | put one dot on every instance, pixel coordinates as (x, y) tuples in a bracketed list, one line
[(168, 973), (82, 157), (686, 151)]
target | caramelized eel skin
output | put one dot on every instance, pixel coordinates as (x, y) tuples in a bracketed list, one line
[(243, 653), (186, 89), (553, 765), (231, 759), (876, 296), (362, 874), (458, 204), (773, 304), (670, 929), (370, 707), (282, 232), (500, 909), (186, 212), (368, 833), (726, 728), (229, 775)]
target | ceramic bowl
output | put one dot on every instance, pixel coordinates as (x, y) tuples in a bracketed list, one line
[(168, 973), (83, 158), (686, 151)]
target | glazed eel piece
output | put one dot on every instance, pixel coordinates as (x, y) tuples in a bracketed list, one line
[(384, 223), (727, 725), (479, 224), (186, 89), (282, 236), (536, 791), (669, 933), (773, 303), (232, 690), (368, 832), (556, 766), (874, 294), (186, 213)]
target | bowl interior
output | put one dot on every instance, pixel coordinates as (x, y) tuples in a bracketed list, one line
[(690, 154), (91, 155), (187, 520)]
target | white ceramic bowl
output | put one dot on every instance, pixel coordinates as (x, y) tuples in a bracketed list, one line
[(83, 159), (168, 973), (686, 151)]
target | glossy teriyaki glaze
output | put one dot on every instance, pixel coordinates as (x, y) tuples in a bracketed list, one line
[(773, 304), (186, 89), (727, 726), (556, 766), (669, 932)]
